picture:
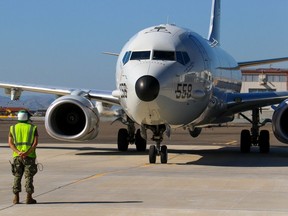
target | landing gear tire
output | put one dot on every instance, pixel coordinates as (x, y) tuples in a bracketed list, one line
[(164, 154), (152, 154), (140, 142), (245, 141), (122, 140), (264, 143)]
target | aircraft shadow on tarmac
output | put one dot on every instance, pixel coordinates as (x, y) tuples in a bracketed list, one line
[(92, 150), (91, 202), (231, 157), (225, 156), (98, 151)]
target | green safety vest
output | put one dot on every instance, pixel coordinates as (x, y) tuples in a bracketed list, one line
[(23, 136)]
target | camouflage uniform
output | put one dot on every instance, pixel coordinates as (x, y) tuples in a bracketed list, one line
[(25, 166)]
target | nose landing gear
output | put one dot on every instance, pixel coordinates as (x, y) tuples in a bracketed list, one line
[(154, 152), (158, 150)]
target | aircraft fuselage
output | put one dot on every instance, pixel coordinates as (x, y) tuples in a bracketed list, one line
[(169, 75)]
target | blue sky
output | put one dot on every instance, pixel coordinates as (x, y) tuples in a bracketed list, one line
[(59, 42)]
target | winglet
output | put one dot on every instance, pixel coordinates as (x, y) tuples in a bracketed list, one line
[(214, 30)]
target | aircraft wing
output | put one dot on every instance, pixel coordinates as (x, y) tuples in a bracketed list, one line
[(241, 102), (15, 91), (261, 62)]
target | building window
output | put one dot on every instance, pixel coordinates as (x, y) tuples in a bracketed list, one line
[(250, 78), (269, 78), (276, 78)]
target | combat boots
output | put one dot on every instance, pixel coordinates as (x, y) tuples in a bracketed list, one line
[(30, 200), (16, 198)]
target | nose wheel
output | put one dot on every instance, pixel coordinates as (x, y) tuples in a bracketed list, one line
[(158, 150), (154, 152), (164, 154)]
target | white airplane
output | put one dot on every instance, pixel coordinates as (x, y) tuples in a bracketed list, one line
[(167, 77)]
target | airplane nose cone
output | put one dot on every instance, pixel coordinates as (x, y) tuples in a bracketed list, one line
[(147, 88)]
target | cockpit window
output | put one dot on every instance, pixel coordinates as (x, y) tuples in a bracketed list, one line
[(186, 57), (140, 55), (126, 57), (164, 55), (182, 57)]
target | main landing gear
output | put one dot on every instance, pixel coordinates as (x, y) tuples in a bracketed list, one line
[(253, 137), (126, 136)]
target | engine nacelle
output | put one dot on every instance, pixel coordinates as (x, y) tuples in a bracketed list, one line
[(280, 122), (195, 132), (72, 118)]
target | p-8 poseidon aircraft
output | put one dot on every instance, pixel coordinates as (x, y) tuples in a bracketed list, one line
[(166, 77)]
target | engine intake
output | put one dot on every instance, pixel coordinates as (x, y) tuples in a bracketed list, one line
[(72, 118), (280, 122)]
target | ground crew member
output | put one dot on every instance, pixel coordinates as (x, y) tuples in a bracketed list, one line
[(23, 139)]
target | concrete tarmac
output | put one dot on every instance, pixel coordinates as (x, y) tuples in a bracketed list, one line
[(204, 176)]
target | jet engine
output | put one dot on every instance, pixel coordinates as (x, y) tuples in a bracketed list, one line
[(72, 118), (280, 122)]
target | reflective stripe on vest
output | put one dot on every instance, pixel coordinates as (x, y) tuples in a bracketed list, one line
[(23, 137)]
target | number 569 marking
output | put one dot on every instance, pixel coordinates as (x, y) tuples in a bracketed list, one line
[(183, 90)]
